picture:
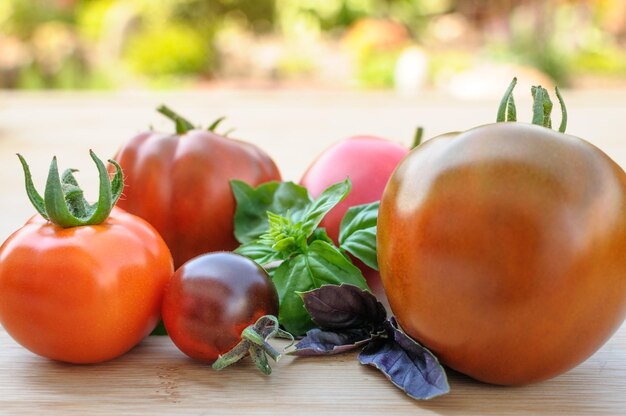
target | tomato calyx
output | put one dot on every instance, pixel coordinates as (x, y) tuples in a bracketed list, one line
[(254, 342), (183, 125), (542, 107), (63, 202)]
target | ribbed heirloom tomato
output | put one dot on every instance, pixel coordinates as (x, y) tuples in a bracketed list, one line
[(501, 248), (85, 286), (180, 183)]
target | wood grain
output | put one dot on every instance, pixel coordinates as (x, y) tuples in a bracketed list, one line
[(155, 378)]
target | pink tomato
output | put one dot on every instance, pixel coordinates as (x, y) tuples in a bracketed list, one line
[(369, 162)]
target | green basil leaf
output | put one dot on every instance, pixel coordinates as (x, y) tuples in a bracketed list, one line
[(259, 252), (321, 234), (362, 245), (322, 264), (323, 204), (357, 233), (357, 218), (285, 198)]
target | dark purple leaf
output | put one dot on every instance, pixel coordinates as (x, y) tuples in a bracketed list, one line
[(321, 342), (408, 365), (344, 307)]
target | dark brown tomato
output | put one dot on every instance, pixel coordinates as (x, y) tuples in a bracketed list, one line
[(211, 299), (181, 185), (502, 250)]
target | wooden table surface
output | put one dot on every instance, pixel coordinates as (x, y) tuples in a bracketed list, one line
[(293, 126)]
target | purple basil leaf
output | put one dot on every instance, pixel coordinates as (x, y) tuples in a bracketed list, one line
[(408, 365), (320, 342), (343, 307)]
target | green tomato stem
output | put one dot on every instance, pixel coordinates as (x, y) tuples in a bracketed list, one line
[(254, 343), (260, 360), (511, 110), (563, 125), (417, 138), (504, 103), (182, 124), (231, 357), (34, 196), (537, 105), (542, 107), (63, 202), (228, 132), (216, 123)]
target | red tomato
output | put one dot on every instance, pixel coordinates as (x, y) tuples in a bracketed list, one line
[(211, 299), (180, 183), (501, 249), (83, 294)]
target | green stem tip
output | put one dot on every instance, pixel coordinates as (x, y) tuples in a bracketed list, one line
[(507, 110), (417, 138), (182, 124), (63, 202), (254, 342), (542, 107), (563, 125), (216, 123)]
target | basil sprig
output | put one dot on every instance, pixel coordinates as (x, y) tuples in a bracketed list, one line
[(253, 204), (277, 226)]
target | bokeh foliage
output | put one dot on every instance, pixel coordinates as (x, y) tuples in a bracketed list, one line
[(106, 43)]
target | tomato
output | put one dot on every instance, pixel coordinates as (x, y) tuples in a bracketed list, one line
[(501, 249), (368, 161), (83, 294), (79, 282), (180, 183), (211, 299)]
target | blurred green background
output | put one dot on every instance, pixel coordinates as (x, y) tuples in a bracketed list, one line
[(404, 44)]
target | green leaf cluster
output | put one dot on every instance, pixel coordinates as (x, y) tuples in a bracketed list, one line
[(277, 225)]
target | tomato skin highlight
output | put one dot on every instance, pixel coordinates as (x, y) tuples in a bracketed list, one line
[(181, 185), (83, 294), (501, 250), (211, 299)]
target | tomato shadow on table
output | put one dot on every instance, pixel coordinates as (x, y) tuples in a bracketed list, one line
[(561, 395), (156, 371)]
